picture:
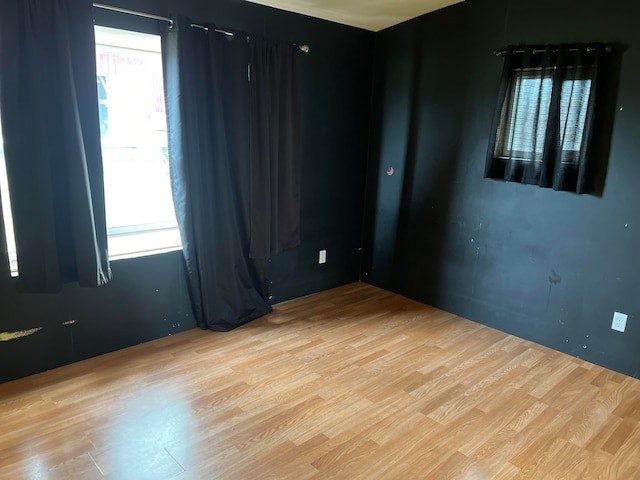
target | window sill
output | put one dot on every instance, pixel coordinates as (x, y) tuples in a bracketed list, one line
[(142, 244), (131, 245), (146, 253)]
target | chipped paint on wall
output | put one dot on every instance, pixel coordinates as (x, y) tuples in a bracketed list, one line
[(7, 336), (70, 322)]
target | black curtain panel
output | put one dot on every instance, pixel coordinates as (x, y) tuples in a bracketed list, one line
[(49, 108), (275, 147), (542, 132), (208, 113)]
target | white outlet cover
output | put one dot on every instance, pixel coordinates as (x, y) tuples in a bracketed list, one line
[(322, 257), (619, 323)]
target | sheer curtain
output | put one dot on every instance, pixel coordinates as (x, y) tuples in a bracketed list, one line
[(52, 142)]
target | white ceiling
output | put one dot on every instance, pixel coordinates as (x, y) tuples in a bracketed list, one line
[(372, 15)]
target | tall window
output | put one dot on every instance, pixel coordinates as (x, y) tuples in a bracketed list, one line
[(133, 126), (139, 206), (6, 210)]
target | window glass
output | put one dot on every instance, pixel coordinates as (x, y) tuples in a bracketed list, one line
[(133, 127), (525, 115), (6, 210), (573, 113), (527, 122)]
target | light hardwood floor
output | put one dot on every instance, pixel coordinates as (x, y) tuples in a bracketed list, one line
[(353, 383)]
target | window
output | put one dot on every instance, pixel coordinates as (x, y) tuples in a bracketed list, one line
[(546, 111), (6, 211), (133, 127), (525, 114)]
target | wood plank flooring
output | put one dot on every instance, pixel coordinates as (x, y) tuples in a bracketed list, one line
[(353, 383)]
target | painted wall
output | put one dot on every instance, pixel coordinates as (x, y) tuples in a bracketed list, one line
[(148, 297), (544, 265)]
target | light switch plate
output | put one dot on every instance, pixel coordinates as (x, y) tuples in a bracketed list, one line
[(322, 257), (619, 323)]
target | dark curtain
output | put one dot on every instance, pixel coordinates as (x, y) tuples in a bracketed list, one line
[(275, 148), (49, 108), (208, 113), (543, 127)]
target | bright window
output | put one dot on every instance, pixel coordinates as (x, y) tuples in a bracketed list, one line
[(6, 211), (525, 115), (133, 126)]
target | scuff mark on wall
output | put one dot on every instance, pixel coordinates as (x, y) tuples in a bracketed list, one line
[(554, 278), (7, 336), (70, 322)]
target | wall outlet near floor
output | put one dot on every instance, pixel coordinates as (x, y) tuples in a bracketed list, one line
[(322, 257), (619, 322)]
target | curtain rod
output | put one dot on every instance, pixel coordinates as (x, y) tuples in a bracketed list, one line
[(304, 48), (503, 51)]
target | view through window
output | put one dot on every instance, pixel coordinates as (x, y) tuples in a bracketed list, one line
[(6, 210), (133, 127), (525, 116)]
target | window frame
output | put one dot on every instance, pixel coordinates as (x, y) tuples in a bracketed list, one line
[(151, 231), (502, 133)]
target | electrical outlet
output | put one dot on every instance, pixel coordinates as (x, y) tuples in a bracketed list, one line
[(322, 257), (619, 323)]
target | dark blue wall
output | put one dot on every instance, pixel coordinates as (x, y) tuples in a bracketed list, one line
[(148, 297), (548, 266)]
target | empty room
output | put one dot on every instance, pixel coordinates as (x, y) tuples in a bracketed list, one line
[(308, 239)]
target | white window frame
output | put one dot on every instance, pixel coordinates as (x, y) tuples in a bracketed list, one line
[(135, 240)]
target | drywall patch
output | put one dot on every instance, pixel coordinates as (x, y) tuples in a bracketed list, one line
[(7, 336)]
